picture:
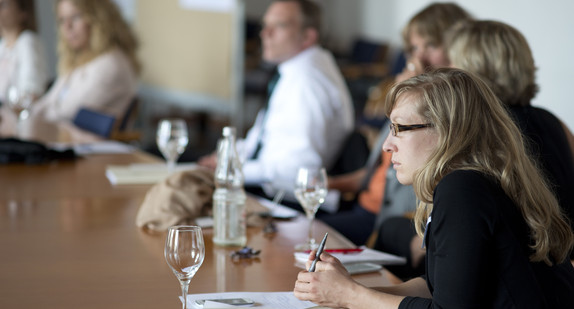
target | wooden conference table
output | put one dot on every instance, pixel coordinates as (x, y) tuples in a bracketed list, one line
[(68, 240)]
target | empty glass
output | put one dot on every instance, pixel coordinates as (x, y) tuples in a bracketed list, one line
[(184, 253), (172, 138), (20, 103), (310, 191)]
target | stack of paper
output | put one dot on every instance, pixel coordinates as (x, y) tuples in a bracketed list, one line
[(277, 211), (365, 256), (141, 173)]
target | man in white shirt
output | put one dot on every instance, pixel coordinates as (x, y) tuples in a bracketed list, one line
[(309, 113)]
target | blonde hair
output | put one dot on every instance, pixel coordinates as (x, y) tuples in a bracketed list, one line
[(108, 30), (499, 54), (476, 133), (432, 22)]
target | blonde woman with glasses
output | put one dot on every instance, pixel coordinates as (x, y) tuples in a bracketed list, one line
[(493, 231)]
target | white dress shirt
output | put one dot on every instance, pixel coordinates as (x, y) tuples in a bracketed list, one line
[(309, 116), (23, 65)]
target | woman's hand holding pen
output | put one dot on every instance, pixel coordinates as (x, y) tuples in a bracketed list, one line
[(329, 285)]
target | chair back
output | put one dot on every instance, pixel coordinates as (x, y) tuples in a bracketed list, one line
[(130, 115), (367, 52), (95, 122), (124, 130), (352, 156)]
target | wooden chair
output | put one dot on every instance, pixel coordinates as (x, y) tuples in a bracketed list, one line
[(124, 130)]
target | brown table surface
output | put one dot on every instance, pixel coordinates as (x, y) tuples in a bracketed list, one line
[(68, 240)]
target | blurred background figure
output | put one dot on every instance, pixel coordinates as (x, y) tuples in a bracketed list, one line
[(423, 38), (309, 112), (97, 67), (22, 61), (500, 54)]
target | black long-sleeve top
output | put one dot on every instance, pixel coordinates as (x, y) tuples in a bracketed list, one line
[(548, 144), (478, 254)]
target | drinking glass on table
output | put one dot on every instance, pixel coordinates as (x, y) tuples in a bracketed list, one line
[(184, 253), (20, 103), (310, 191), (172, 138)]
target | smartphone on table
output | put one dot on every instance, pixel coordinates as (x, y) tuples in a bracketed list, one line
[(228, 301)]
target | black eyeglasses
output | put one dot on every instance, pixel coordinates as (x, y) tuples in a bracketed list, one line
[(396, 128)]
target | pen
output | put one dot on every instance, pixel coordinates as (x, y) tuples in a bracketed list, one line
[(319, 251), (341, 250)]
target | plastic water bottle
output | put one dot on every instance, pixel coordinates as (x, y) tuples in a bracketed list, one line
[(229, 226)]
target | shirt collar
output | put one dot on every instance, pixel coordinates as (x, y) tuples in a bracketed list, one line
[(295, 62)]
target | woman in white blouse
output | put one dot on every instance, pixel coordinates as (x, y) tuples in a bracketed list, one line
[(22, 62), (97, 67)]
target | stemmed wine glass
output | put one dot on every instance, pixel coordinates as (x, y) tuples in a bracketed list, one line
[(184, 253), (172, 138), (20, 103), (310, 191)]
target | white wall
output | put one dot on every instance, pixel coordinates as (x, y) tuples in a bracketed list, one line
[(47, 31)]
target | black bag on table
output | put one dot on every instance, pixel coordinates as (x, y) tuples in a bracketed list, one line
[(13, 150)]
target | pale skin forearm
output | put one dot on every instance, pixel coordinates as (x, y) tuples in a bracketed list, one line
[(362, 297), (416, 287)]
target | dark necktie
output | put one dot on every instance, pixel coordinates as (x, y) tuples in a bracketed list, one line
[(270, 87)]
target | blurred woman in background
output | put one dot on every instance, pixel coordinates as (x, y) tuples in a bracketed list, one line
[(22, 61), (97, 69), (423, 38), (98, 66)]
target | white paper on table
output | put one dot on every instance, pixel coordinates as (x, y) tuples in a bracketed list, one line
[(263, 300), (141, 173), (104, 147), (366, 256), (277, 211)]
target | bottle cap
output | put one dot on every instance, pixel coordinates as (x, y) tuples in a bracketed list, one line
[(229, 131)]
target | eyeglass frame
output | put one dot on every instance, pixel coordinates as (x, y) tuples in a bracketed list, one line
[(396, 128)]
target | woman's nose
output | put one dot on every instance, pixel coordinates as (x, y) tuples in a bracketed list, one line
[(388, 145)]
